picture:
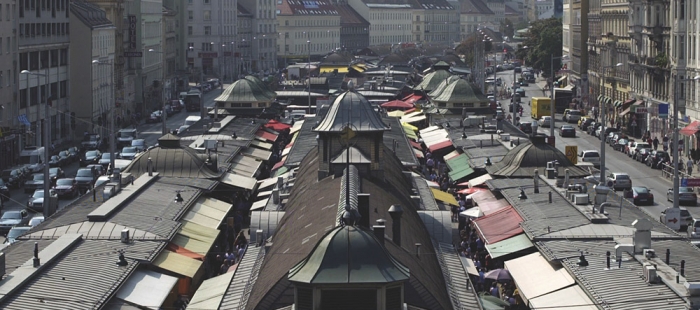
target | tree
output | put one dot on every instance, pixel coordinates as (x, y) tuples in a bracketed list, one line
[(543, 40), (507, 28), (467, 48)]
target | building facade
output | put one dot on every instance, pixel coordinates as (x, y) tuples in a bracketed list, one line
[(389, 23), (244, 34), (44, 36), (307, 28), (210, 32), (9, 107), (439, 21), (92, 106), (354, 30), (578, 59), (474, 13), (264, 40)]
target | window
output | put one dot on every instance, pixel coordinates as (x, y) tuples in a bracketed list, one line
[(64, 89), (207, 30), (54, 58), (189, 30), (207, 15), (190, 15)]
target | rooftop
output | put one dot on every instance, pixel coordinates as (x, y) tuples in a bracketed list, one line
[(522, 160), (351, 108), (90, 14)]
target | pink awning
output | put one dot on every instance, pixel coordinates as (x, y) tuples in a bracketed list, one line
[(691, 129), (500, 225), (493, 206), (439, 146), (266, 135), (276, 125), (397, 104), (412, 99)]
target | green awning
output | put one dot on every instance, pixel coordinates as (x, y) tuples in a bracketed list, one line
[(508, 246), (618, 103), (459, 167), (460, 174), (600, 97), (281, 171), (457, 161), (608, 100)]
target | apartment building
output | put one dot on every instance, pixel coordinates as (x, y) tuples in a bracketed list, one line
[(307, 28), (390, 23), (210, 35), (264, 40), (439, 21), (44, 36), (684, 59), (474, 13), (93, 106), (9, 109), (651, 77), (354, 30), (578, 59), (244, 34)]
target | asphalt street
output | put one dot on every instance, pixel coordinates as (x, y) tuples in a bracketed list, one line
[(615, 161)]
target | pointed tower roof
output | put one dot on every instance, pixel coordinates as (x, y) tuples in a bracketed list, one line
[(243, 91), (433, 79), (460, 91), (354, 109)]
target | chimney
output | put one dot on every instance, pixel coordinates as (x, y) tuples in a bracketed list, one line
[(642, 235), (536, 179), (363, 209), (259, 237), (36, 260), (379, 230), (280, 182), (276, 196), (418, 249), (125, 236), (396, 211), (149, 167)]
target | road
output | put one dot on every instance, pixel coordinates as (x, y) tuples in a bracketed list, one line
[(615, 161), (149, 132)]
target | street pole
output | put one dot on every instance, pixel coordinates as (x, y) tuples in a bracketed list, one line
[(552, 106), (674, 144), (47, 147), (601, 105), (308, 42)]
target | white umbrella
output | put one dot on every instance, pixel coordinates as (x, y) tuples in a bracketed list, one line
[(474, 212)]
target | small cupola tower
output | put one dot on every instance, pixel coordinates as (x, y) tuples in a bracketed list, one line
[(351, 132)]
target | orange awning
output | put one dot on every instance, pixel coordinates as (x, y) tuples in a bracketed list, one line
[(691, 129), (184, 252)]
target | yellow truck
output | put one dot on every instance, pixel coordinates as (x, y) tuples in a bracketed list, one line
[(540, 106)]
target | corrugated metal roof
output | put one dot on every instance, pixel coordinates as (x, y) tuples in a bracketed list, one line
[(427, 202), (499, 225), (244, 278), (461, 289), (523, 159), (615, 288), (354, 109), (681, 250), (211, 292), (267, 221), (86, 277), (91, 230), (403, 148), (147, 288), (306, 141), (173, 162), (238, 180), (439, 225)]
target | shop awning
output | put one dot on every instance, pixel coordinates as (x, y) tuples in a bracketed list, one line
[(490, 207), (260, 144), (281, 171), (177, 263), (460, 173), (245, 165), (411, 114), (500, 225), (266, 135), (572, 297), (416, 145), (628, 101), (412, 98), (450, 155), (482, 197), (211, 292), (257, 153), (428, 129), (410, 133), (208, 212), (510, 245), (279, 164), (469, 265), (480, 180), (618, 103), (262, 184), (277, 125), (296, 127), (440, 146), (341, 69), (455, 162), (240, 181), (623, 113), (418, 153), (260, 204), (413, 119), (396, 104), (147, 288), (397, 113), (691, 129), (534, 276), (639, 102), (600, 97), (444, 197), (473, 212), (410, 127)]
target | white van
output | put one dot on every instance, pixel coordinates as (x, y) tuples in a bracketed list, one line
[(191, 120), (590, 156)]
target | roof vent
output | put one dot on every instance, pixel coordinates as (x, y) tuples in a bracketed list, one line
[(396, 211), (36, 260), (125, 236)]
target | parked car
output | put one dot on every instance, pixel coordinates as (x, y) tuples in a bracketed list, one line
[(55, 174), (525, 127), (620, 144), (584, 123), (657, 158), (55, 161), (36, 201), (129, 152), (36, 182), (637, 146), (686, 195), (619, 180), (641, 195), (74, 154), (91, 142), (11, 219), (105, 159), (155, 117), (140, 144), (545, 121), (13, 177), (99, 169), (14, 233), (590, 156), (571, 116), (86, 178), (65, 158), (5, 193), (36, 220), (567, 131), (177, 105), (521, 92), (615, 137), (641, 154), (686, 218), (593, 128), (630, 145), (66, 188), (90, 157)]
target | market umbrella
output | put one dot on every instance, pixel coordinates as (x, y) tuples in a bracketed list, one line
[(489, 302), (397, 104), (397, 113), (474, 212), (500, 275), (277, 126), (472, 190)]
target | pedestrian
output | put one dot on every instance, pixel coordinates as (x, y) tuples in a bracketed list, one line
[(689, 164), (494, 290), (665, 142)]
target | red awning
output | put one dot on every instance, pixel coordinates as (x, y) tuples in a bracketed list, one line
[(415, 144), (397, 104), (471, 190), (277, 126), (691, 129), (409, 110), (279, 164), (440, 146), (500, 225), (266, 135), (493, 206), (412, 99)]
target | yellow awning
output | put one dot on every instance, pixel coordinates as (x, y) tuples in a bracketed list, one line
[(444, 197), (196, 238), (177, 263), (358, 68), (208, 212), (397, 113), (410, 133), (409, 126), (331, 69)]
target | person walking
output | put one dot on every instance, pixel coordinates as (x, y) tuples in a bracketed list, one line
[(655, 143), (689, 165)]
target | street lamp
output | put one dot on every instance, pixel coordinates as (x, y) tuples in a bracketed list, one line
[(308, 43), (163, 114), (46, 140), (602, 121), (552, 106), (110, 136), (675, 143)]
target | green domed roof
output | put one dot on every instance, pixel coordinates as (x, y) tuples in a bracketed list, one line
[(348, 254), (432, 80), (263, 86), (442, 85), (460, 91), (244, 91)]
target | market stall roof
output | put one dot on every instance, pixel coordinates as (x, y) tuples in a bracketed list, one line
[(493, 206), (277, 125), (396, 113), (570, 298), (534, 276), (397, 104), (440, 146), (177, 263), (147, 288), (238, 180), (480, 180), (211, 292), (482, 197), (499, 225), (267, 135), (509, 246), (444, 197)]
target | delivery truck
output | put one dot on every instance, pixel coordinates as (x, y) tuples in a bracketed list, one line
[(540, 106)]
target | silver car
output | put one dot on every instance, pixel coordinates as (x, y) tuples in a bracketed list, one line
[(619, 180), (686, 195), (129, 152)]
